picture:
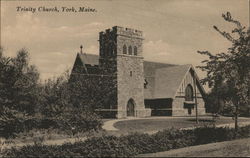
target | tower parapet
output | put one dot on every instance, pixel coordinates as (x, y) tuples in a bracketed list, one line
[(128, 32)]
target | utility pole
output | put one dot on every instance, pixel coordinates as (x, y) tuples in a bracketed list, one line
[(195, 99)]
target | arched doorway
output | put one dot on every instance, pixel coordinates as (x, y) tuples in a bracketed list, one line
[(131, 108)]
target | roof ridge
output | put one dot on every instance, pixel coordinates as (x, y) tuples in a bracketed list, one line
[(171, 67), (144, 60), (159, 62)]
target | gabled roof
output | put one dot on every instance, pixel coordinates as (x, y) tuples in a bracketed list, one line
[(168, 80), (91, 59), (150, 67)]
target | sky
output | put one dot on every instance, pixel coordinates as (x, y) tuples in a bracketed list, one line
[(174, 30)]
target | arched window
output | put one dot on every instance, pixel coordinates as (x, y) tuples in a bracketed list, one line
[(135, 50), (124, 49), (130, 50), (189, 95), (145, 83)]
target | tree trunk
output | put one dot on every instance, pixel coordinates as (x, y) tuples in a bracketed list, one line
[(196, 103), (236, 118)]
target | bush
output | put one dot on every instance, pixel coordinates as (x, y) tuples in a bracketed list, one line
[(11, 127), (243, 132), (10, 123), (174, 138), (48, 123), (79, 121), (107, 146), (142, 143), (205, 135), (131, 145), (70, 122)]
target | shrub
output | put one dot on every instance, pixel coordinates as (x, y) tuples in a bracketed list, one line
[(243, 132), (10, 123), (70, 122), (207, 134), (142, 143), (173, 138), (132, 144), (48, 123), (79, 121), (10, 128), (107, 146)]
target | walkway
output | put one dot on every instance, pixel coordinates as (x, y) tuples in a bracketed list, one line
[(234, 148), (109, 125)]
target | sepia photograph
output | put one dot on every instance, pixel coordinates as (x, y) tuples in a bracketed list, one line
[(116, 78)]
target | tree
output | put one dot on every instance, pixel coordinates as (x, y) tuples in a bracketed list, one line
[(18, 82), (231, 69), (55, 96)]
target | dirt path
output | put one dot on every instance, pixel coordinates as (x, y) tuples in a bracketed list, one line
[(47, 142), (235, 148)]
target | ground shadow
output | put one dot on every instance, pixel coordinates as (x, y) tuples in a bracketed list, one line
[(201, 120)]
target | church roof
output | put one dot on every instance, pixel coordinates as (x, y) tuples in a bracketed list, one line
[(168, 80), (164, 79)]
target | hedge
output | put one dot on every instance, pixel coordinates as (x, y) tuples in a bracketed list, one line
[(132, 144), (68, 122)]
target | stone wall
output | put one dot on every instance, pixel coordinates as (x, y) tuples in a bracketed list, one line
[(179, 110)]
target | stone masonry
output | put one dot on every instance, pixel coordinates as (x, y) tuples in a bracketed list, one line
[(128, 67)]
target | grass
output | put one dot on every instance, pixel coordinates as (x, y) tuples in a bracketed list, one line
[(235, 148), (156, 124)]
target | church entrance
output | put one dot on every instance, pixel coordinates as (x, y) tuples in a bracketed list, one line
[(131, 108)]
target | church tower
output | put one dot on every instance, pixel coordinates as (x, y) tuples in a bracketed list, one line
[(121, 56)]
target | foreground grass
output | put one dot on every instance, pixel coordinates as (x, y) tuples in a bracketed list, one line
[(235, 148), (147, 125)]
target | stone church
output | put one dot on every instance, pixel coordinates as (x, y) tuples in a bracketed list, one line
[(141, 88)]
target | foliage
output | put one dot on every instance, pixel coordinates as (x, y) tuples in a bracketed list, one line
[(229, 72), (107, 146), (18, 82), (174, 138), (132, 144), (213, 134), (142, 143), (54, 96), (71, 122), (10, 124), (92, 92), (86, 92), (79, 120)]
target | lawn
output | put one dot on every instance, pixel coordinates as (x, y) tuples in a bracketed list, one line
[(156, 124), (235, 148)]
